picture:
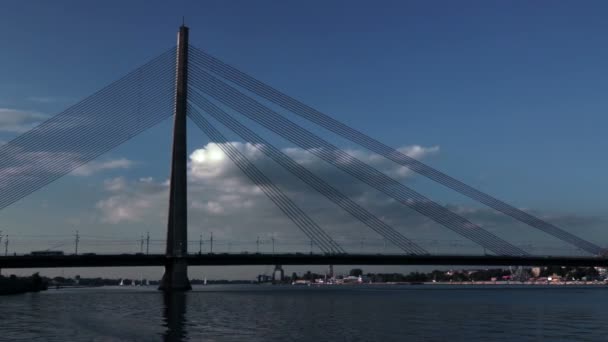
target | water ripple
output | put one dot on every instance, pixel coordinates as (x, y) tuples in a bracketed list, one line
[(266, 313)]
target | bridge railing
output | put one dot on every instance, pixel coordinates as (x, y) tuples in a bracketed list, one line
[(24, 245)]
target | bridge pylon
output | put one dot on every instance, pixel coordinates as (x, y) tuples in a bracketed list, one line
[(176, 267)]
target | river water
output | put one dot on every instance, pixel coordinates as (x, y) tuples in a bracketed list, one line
[(331, 313)]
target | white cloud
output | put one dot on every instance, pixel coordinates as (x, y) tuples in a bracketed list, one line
[(390, 168), (117, 210), (19, 121), (211, 207), (115, 184), (23, 165), (99, 166), (210, 162), (133, 201), (221, 195), (417, 151), (48, 99), (224, 201)]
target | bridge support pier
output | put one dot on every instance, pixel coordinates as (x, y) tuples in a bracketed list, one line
[(176, 266), (176, 276)]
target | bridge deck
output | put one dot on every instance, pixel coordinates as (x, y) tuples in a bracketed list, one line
[(122, 260)]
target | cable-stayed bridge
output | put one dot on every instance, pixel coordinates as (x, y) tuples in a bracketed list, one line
[(185, 82)]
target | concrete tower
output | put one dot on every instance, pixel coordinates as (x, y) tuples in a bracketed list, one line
[(176, 267)]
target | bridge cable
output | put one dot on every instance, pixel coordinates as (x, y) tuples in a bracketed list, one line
[(303, 221), (441, 216), (49, 171), (42, 140), (471, 234), (315, 145), (284, 127), (31, 135), (56, 167), (306, 176), (81, 105), (283, 202), (309, 113)]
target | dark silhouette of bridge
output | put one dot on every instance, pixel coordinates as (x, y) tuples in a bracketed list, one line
[(225, 259), (186, 82)]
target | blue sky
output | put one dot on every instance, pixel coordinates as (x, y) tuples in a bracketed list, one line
[(512, 93)]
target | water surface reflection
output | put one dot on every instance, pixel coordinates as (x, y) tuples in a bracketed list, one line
[(174, 317), (256, 313)]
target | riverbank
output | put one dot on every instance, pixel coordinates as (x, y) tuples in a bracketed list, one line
[(506, 283), (16, 285), (462, 284)]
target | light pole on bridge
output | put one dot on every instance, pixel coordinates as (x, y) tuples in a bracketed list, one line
[(211, 243), (76, 241)]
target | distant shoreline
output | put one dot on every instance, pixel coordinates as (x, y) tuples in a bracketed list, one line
[(465, 283), (477, 283), (502, 283)]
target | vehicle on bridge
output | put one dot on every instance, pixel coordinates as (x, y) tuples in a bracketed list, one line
[(46, 253)]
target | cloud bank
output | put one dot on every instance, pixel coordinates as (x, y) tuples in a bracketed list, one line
[(224, 201), (19, 121)]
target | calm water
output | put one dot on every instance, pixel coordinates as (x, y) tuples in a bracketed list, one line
[(283, 313)]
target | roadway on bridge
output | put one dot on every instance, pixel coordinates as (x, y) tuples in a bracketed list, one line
[(124, 260)]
